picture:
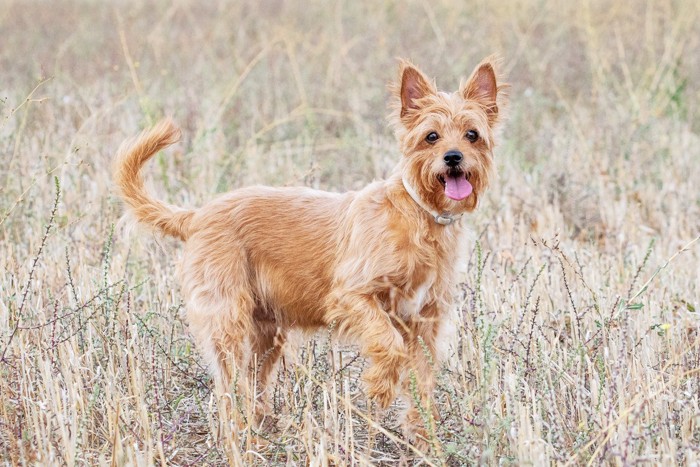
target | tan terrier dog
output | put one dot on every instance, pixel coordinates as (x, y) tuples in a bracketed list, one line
[(380, 264)]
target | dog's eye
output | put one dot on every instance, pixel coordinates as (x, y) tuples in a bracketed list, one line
[(432, 137), (472, 135)]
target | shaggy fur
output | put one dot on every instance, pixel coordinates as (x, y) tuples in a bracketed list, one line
[(260, 261)]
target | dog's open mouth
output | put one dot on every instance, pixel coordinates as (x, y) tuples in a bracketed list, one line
[(456, 183)]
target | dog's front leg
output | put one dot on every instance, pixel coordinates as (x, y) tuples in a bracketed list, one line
[(363, 318)]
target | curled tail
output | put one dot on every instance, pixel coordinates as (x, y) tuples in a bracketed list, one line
[(131, 157)]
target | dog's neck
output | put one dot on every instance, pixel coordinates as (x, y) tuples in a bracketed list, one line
[(445, 218)]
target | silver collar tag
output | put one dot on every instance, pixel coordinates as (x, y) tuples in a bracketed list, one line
[(444, 219)]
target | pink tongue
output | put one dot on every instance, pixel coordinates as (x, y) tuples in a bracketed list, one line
[(457, 188)]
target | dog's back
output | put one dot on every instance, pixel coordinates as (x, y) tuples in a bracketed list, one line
[(282, 240)]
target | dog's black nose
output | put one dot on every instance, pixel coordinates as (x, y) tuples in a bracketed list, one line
[(453, 158)]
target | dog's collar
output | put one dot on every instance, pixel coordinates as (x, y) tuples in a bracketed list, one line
[(443, 219)]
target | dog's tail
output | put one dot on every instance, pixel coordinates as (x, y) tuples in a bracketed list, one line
[(131, 157)]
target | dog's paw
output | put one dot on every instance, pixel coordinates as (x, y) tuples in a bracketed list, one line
[(414, 429), (383, 395), (264, 416), (380, 387), (418, 437)]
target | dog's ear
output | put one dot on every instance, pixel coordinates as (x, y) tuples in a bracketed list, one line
[(413, 86), (482, 88)]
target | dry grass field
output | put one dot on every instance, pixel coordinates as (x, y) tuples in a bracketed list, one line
[(577, 341)]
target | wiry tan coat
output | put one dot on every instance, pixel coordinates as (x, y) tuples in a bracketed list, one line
[(260, 261)]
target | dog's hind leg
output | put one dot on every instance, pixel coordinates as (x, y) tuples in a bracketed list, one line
[(268, 341), (222, 330)]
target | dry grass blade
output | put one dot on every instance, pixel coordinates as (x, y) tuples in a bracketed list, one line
[(576, 331)]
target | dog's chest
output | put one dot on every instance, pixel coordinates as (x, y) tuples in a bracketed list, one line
[(414, 297)]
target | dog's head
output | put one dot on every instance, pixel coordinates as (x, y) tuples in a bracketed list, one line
[(447, 139)]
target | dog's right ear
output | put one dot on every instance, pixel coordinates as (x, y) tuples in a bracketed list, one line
[(413, 87)]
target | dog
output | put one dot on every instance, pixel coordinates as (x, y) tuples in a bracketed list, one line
[(378, 265)]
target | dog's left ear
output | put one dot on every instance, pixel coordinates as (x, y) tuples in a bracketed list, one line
[(482, 88)]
